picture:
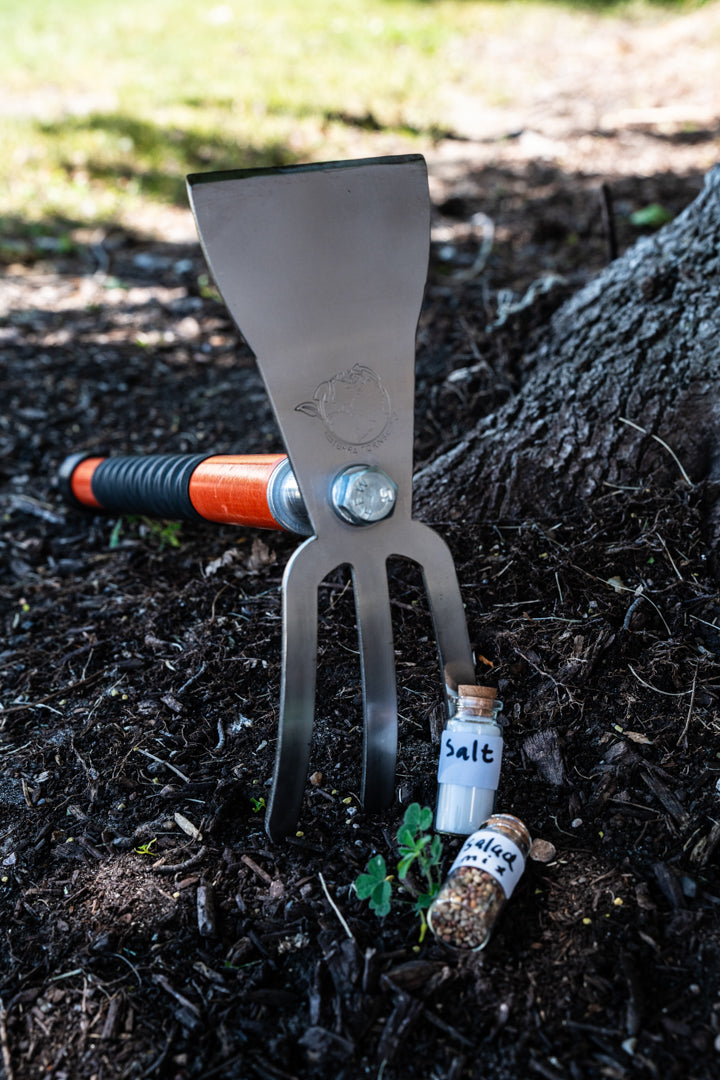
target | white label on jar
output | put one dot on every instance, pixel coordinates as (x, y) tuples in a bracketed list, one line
[(470, 760), (495, 854)]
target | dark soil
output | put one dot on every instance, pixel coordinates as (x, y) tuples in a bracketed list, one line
[(140, 687)]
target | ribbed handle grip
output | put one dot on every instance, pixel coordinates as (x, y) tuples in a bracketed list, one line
[(231, 489)]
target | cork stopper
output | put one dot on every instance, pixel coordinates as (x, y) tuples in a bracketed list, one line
[(488, 693)]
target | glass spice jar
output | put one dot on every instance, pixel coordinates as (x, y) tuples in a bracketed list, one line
[(480, 882), (469, 766)]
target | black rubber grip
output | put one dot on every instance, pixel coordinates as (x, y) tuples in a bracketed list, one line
[(156, 485)]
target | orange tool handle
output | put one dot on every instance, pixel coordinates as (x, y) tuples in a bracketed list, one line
[(231, 489)]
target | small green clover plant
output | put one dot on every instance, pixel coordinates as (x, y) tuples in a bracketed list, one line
[(415, 845), (375, 886)]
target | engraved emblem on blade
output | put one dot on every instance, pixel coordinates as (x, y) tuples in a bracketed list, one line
[(353, 407)]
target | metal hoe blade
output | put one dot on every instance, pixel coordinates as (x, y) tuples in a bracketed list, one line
[(323, 269)]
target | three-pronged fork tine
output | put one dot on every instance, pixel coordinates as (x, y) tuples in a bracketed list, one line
[(372, 604), (301, 580), (429, 550), (307, 568), (303, 575)]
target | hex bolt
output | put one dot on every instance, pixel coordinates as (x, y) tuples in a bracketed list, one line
[(363, 494)]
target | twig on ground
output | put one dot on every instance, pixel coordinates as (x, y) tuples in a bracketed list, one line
[(672, 561), (160, 761), (161, 867), (119, 956), (666, 693), (193, 679), (697, 618), (673, 455), (163, 1053), (4, 1044), (221, 737), (608, 219), (335, 908), (684, 731), (215, 600)]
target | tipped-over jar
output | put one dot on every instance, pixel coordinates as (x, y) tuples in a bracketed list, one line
[(480, 882)]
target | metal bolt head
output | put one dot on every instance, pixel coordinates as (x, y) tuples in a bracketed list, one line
[(363, 494)]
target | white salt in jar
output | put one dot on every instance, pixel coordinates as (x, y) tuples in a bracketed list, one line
[(470, 758)]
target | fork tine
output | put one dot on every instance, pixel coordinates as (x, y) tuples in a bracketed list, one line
[(427, 548), (303, 575), (377, 657)]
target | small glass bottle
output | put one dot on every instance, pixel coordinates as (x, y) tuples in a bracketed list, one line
[(469, 767), (480, 882)]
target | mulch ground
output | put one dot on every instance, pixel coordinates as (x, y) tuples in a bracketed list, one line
[(149, 928)]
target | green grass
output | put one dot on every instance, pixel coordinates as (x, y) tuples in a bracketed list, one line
[(106, 105)]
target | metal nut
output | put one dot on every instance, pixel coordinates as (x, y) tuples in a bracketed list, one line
[(363, 494)]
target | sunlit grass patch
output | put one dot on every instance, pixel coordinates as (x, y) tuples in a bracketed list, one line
[(104, 106)]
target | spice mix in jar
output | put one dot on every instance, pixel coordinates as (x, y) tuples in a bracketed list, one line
[(480, 882)]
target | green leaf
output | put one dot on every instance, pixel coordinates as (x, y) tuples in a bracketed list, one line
[(364, 885), (412, 817), (381, 893), (653, 215), (375, 875), (376, 867), (435, 850), (423, 902), (406, 836), (417, 818), (404, 865), (417, 845), (380, 900)]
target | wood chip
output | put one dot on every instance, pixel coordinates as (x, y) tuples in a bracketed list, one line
[(187, 826), (163, 982), (669, 801), (206, 910), (262, 874), (669, 884), (399, 1024), (277, 889), (543, 749), (112, 1018), (172, 703), (705, 847)]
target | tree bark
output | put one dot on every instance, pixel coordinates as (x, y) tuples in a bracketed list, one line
[(633, 358)]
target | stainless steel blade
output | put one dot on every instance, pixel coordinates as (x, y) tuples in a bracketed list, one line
[(323, 269)]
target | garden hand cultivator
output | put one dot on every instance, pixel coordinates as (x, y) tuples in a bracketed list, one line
[(323, 268)]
